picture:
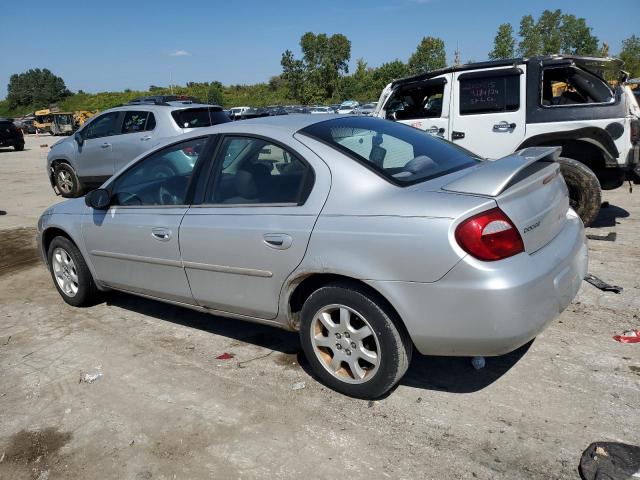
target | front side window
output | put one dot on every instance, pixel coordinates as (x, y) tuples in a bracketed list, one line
[(103, 126), (490, 94), (256, 171), (161, 178), (416, 102), (573, 86), (135, 122), (403, 155)]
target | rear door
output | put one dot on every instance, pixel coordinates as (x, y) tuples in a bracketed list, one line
[(95, 159), (137, 134), (253, 226), (488, 110)]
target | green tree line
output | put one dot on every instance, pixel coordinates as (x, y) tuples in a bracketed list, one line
[(321, 74)]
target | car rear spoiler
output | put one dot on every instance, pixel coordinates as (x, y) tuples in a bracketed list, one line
[(491, 178)]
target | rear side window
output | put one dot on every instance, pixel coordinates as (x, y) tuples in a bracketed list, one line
[(138, 122), (573, 86), (199, 117), (489, 94), (403, 155)]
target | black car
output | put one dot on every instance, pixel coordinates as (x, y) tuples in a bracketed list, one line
[(27, 126), (10, 135)]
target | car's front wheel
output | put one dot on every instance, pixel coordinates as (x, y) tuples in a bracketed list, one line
[(70, 273), (352, 341), (67, 181)]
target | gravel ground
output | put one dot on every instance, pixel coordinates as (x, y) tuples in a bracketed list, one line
[(164, 407)]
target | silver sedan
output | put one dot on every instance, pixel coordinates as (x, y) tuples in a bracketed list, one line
[(368, 237)]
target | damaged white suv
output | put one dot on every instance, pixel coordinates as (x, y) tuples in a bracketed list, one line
[(498, 107)]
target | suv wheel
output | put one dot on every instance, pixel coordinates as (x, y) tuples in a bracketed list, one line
[(70, 273), (19, 147), (584, 189), (67, 181), (351, 341)]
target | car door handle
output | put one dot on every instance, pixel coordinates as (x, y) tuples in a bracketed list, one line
[(457, 135), (504, 127), (279, 241), (435, 130), (144, 139), (162, 234), (105, 145)]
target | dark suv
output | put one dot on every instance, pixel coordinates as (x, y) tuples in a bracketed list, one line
[(10, 135)]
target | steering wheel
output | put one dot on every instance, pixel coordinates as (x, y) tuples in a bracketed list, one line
[(165, 197)]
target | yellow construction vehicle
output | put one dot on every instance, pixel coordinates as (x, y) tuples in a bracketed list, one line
[(55, 123), (81, 116)]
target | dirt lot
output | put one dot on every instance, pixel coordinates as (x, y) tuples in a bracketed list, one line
[(165, 408)]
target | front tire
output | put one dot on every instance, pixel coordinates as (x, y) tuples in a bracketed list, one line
[(352, 342), (585, 195), (70, 273), (19, 147), (67, 181)]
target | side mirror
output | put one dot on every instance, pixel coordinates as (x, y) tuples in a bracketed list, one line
[(78, 138), (99, 199)]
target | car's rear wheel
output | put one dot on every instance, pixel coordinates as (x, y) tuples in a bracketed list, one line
[(585, 195), (352, 341), (67, 181), (70, 273), (19, 147)]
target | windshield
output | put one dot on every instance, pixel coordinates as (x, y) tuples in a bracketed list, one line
[(403, 155), (199, 117)]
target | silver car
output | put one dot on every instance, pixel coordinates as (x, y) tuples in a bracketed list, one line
[(368, 237), (113, 138)]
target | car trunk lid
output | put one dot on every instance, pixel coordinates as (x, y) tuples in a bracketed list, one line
[(528, 187)]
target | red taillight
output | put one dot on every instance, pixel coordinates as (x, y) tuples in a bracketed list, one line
[(489, 236)]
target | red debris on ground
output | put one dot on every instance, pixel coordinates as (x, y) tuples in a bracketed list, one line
[(225, 356), (632, 336)]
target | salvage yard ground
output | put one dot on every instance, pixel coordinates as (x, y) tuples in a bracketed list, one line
[(166, 408)]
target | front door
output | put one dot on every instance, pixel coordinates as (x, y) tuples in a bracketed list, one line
[(488, 110), (134, 245), (423, 105), (253, 226), (95, 162)]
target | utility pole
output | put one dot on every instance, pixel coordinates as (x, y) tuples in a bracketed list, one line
[(456, 59)]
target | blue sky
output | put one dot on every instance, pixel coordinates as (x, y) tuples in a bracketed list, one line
[(115, 44)]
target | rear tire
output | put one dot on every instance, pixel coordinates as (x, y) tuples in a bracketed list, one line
[(19, 147), (584, 189), (67, 181), (364, 352), (71, 275)]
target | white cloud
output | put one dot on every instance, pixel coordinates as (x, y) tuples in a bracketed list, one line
[(179, 53)]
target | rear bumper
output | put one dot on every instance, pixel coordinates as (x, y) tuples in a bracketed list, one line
[(11, 142), (486, 308)]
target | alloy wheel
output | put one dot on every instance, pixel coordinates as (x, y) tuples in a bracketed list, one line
[(65, 182), (345, 344), (65, 272)]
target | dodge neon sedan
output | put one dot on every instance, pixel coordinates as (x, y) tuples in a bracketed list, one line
[(368, 237)]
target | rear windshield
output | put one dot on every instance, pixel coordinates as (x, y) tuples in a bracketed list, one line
[(403, 155), (199, 117)]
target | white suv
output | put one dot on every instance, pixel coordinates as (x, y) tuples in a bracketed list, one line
[(495, 108)]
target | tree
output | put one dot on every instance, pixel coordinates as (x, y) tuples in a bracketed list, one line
[(630, 54), (215, 94), (549, 26), (504, 44), (576, 37), (530, 42), (429, 55), (555, 32), (293, 74), (38, 87)]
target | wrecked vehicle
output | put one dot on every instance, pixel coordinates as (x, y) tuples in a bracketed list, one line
[(367, 236), (498, 107)]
